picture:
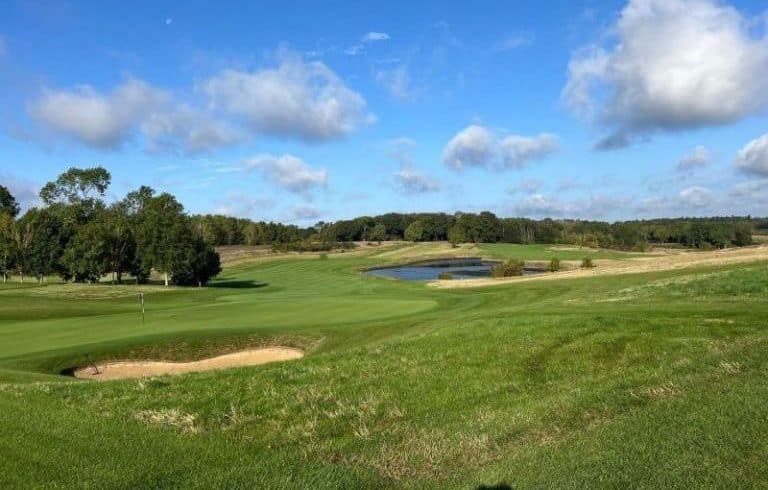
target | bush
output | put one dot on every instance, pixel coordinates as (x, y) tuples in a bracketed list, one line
[(445, 276), (587, 263), (554, 265), (509, 268)]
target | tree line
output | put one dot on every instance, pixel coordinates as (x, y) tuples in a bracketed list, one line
[(79, 237), (485, 227)]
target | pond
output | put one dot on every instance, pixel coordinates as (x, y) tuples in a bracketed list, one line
[(464, 268)]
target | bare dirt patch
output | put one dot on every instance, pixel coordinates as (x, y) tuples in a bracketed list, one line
[(142, 369), (669, 261)]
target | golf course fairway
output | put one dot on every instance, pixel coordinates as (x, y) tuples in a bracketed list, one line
[(650, 379)]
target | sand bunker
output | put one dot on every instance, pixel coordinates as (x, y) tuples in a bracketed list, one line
[(142, 369)]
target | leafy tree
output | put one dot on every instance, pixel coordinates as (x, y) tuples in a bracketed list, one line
[(51, 238), (415, 231), (195, 264), (7, 244), (77, 185), (8, 204), (378, 233), (157, 235), (23, 234)]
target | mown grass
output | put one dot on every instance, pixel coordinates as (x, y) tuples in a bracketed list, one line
[(646, 380)]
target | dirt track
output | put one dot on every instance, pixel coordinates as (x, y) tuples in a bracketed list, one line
[(143, 369), (669, 260)]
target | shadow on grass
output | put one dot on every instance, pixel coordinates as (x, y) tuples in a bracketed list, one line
[(498, 486), (247, 284)]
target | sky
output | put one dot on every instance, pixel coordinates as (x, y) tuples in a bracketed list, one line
[(300, 112)]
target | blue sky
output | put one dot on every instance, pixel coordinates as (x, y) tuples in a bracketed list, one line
[(297, 112)]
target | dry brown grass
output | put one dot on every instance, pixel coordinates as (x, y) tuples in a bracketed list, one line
[(668, 261)]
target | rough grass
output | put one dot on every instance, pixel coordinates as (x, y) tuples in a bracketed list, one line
[(549, 384)]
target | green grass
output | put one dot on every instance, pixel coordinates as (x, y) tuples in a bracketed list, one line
[(647, 380)]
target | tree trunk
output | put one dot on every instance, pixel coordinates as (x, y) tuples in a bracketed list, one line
[(166, 279), (21, 273)]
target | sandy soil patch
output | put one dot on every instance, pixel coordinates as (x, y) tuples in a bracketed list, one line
[(143, 369), (670, 261)]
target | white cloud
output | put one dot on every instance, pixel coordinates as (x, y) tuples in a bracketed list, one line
[(96, 119), (479, 146), (296, 99), (753, 158), (288, 172), (397, 81), (375, 36), (696, 197), (188, 129), (411, 181), (696, 158), (472, 146), (676, 64), (516, 151)]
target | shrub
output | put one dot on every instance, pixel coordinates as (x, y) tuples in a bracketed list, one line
[(445, 276), (587, 263), (554, 265), (508, 268)]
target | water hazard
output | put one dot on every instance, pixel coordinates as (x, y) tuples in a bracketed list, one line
[(465, 268)]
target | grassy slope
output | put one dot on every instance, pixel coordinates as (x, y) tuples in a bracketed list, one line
[(650, 380)]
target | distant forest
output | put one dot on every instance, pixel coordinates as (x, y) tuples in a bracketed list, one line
[(78, 236), (485, 227)]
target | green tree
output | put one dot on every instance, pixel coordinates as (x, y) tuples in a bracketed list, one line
[(415, 231), (378, 233), (7, 244), (157, 235), (195, 263), (77, 185), (8, 204)]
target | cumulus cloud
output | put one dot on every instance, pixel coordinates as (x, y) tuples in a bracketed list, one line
[(753, 158), (296, 99), (675, 65), (411, 181), (515, 151), (473, 146), (479, 146), (288, 172), (696, 158), (696, 197), (188, 129), (96, 119)]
